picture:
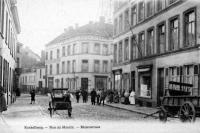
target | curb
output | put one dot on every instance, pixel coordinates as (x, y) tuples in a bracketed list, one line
[(134, 111)]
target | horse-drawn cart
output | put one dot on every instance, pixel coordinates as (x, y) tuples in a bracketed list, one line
[(178, 101), (60, 100)]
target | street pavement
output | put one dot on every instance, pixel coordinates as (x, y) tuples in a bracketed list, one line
[(25, 117)]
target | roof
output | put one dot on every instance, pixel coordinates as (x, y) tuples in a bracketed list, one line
[(98, 29)]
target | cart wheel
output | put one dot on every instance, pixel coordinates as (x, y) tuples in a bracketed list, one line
[(163, 115), (187, 112)]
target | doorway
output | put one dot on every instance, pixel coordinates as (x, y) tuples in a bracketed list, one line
[(84, 84), (160, 85)]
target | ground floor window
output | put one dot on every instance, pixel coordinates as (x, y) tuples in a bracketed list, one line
[(126, 81), (145, 84), (117, 83), (100, 83)]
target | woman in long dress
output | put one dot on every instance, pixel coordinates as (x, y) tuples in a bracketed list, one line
[(132, 97)]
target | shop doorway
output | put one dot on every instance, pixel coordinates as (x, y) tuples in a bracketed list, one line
[(84, 84), (160, 85), (100, 82)]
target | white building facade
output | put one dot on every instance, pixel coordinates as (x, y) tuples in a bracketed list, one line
[(80, 58), (9, 28), (27, 81)]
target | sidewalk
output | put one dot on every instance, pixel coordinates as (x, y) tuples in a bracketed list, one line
[(134, 108)]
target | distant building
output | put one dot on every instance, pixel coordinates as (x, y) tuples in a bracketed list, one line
[(43, 55), (9, 28), (162, 46), (81, 58)]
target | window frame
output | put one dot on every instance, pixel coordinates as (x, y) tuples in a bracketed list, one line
[(147, 44), (158, 51)]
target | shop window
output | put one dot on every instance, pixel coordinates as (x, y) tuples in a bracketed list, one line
[(145, 84), (190, 26), (117, 82), (174, 34)]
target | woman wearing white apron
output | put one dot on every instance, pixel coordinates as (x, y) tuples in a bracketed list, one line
[(132, 97)]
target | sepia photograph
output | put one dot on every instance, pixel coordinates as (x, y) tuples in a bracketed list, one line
[(86, 66)]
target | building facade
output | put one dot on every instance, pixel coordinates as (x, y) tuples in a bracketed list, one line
[(9, 28), (81, 58), (156, 41)]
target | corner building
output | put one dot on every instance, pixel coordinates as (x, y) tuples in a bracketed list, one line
[(162, 46), (9, 28), (80, 58)]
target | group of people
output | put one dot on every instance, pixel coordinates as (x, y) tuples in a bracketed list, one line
[(82, 93)]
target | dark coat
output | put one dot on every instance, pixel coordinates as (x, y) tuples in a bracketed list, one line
[(3, 106), (93, 94)]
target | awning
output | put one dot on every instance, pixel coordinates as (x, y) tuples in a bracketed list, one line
[(144, 69)]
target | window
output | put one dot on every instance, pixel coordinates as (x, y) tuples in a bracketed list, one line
[(190, 27), (142, 43), (133, 15), (105, 66), (150, 43), (97, 48), (120, 52), (115, 53), (74, 49), (111, 48), (121, 23), (74, 66), (40, 73), (134, 47), (58, 53), (68, 66), (18, 61), (126, 49), (174, 34), (160, 5), (6, 34), (105, 49), (50, 71), (145, 83), (85, 48), (46, 55), (0, 14), (141, 11), (84, 65), (150, 7), (115, 26), (161, 39), (63, 67), (51, 55), (63, 51), (69, 50), (126, 20), (96, 66), (57, 68), (2, 17)]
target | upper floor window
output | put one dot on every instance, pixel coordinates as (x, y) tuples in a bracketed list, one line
[(133, 15), (63, 67), (190, 27), (121, 23), (126, 49), (172, 1), (174, 34), (105, 66), (58, 53), (74, 49), (120, 52), (150, 7), (50, 70), (57, 68), (63, 51), (69, 50), (74, 66), (142, 43), (150, 42), (46, 55), (85, 66), (40, 73), (96, 66), (51, 55), (160, 5), (115, 26), (97, 48), (18, 49), (105, 49), (141, 11), (115, 53), (68, 66), (2, 17), (161, 39), (134, 47), (85, 48), (126, 20)]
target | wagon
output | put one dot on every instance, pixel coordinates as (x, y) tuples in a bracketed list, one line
[(60, 101), (178, 101)]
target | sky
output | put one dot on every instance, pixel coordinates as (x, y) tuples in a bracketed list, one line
[(43, 20)]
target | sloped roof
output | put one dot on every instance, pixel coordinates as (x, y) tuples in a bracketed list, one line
[(98, 29)]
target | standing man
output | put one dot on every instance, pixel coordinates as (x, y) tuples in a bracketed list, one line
[(77, 96), (3, 106), (98, 96), (93, 95), (32, 96), (102, 97)]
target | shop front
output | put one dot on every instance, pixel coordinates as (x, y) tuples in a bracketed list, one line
[(101, 82)]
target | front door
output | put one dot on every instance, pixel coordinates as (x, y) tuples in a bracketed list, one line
[(84, 84), (160, 89)]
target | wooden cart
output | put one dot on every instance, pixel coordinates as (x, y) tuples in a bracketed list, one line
[(179, 102), (60, 101)]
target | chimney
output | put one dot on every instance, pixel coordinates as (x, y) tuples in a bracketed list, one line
[(102, 19)]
